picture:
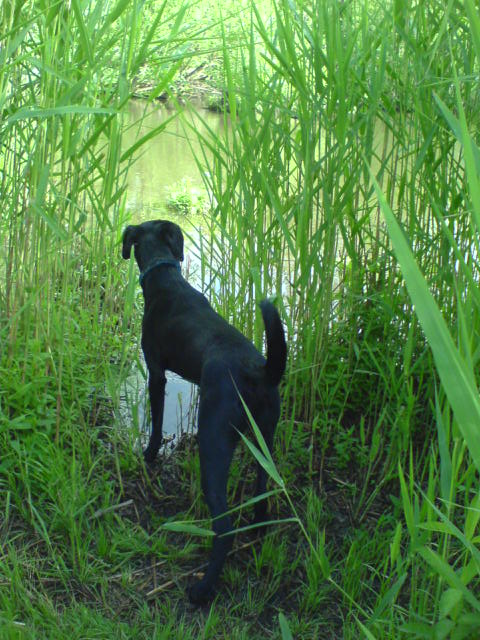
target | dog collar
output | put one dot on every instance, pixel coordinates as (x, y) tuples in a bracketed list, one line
[(161, 262)]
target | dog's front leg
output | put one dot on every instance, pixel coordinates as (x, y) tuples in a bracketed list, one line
[(156, 390)]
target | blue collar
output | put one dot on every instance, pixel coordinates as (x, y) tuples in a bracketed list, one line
[(161, 262)]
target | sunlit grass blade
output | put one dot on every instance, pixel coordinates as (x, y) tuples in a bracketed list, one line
[(265, 462), (84, 34), (265, 523), (407, 502), (459, 130), (284, 627), (25, 113), (474, 20), (388, 599), (145, 138), (263, 457), (445, 460), (188, 527), (467, 538)]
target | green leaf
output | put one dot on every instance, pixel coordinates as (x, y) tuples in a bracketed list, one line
[(450, 598), (252, 501), (26, 113), (284, 628), (148, 136), (267, 464), (445, 461), (114, 14), (388, 599), (472, 517), (444, 570), (447, 527), (187, 527), (368, 634), (474, 19), (84, 35), (395, 544), (471, 152), (441, 630), (263, 457), (265, 523), (456, 127), (407, 504)]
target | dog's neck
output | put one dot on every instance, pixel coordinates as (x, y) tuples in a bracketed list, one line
[(159, 262)]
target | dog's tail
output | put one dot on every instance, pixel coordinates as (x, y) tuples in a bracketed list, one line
[(276, 345)]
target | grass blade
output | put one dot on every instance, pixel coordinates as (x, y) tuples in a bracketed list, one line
[(284, 627), (187, 527)]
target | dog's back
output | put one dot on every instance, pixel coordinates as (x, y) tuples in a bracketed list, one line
[(185, 332)]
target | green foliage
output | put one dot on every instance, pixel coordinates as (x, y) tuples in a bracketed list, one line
[(336, 94), (346, 184)]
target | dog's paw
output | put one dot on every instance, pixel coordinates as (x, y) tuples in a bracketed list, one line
[(149, 455), (200, 592)]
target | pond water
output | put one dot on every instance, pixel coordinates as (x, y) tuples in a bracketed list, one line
[(166, 161), (165, 167)]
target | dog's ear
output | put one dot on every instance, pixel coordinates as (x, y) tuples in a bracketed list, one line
[(129, 237), (173, 237)]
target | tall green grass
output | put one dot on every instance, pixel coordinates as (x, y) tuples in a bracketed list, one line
[(346, 185), (337, 101), (66, 74)]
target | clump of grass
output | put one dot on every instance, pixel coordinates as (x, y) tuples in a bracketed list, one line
[(184, 198)]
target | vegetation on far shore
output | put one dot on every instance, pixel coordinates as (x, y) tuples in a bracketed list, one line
[(346, 185)]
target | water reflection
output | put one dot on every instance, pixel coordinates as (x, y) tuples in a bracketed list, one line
[(167, 158), (179, 414)]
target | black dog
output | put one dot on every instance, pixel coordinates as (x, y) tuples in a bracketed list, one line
[(182, 333)]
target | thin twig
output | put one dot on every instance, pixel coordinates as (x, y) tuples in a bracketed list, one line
[(165, 585), (113, 507), (117, 576)]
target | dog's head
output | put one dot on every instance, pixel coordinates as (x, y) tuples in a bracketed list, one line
[(151, 240)]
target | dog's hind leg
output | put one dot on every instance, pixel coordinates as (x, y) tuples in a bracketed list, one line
[(156, 389), (217, 440)]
